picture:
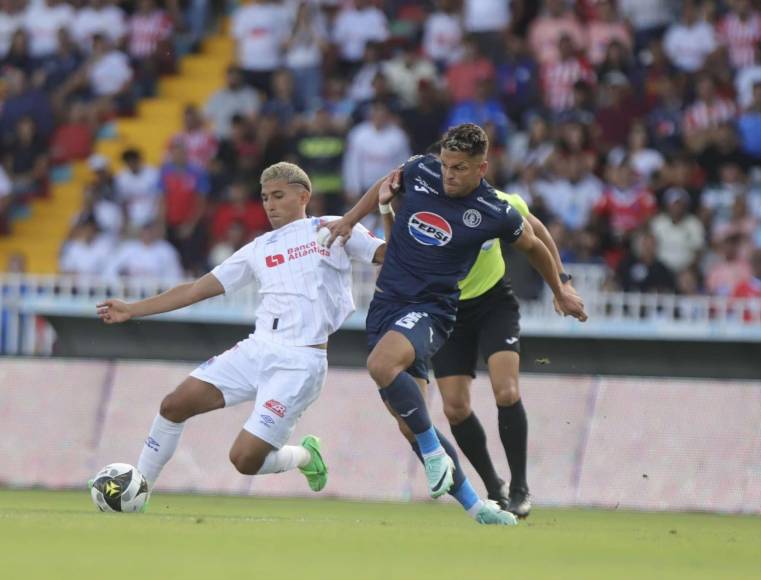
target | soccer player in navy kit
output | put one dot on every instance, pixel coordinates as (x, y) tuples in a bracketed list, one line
[(447, 212)]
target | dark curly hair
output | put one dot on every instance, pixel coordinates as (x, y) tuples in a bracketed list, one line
[(467, 138)]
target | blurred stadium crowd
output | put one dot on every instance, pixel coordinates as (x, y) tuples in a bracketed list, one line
[(632, 127)]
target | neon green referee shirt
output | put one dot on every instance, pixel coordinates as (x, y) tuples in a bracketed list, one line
[(490, 266)]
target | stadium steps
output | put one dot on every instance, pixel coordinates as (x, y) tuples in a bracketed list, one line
[(39, 236)]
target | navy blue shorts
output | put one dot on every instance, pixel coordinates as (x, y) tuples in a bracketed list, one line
[(419, 323)]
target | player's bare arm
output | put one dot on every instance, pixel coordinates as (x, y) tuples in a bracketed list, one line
[(368, 203), (541, 232), (541, 259), (116, 311)]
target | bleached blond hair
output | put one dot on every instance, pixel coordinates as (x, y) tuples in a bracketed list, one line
[(288, 172)]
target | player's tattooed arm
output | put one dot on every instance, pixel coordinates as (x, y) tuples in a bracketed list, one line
[(115, 311)]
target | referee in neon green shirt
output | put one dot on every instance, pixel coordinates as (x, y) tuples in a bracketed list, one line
[(488, 324)]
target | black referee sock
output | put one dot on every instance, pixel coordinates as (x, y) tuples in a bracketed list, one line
[(471, 438), (513, 430)]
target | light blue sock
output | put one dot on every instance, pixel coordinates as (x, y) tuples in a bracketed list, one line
[(428, 441), (466, 495)]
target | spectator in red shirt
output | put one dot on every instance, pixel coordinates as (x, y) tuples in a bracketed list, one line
[(626, 205), (239, 208), (199, 143), (706, 115), (557, 20), (750, 287), (73, 140), (463, 76), (185, 186), (606, 28), (149, 46), (559, 76), (740, 32), (617, 112)]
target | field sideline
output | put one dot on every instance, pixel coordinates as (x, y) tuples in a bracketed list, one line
[(60, 535)]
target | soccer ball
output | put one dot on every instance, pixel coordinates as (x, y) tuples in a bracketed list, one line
[(119, 487)]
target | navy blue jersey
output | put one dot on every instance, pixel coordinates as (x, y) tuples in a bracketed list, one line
[(436, 239)]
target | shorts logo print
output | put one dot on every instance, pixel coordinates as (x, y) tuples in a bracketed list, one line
[(511, 340), (410, 319), (267, 421), (276, 407), (472, 218)]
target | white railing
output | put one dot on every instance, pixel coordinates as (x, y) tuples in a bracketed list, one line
[(26, 299)]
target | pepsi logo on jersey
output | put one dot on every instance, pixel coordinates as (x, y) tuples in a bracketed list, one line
[(429, 229)]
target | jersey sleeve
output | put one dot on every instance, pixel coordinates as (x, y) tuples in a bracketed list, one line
[(516, 201), (362, 245), (237, 270), (512, 225)]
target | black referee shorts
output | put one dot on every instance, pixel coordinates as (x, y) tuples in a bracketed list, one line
[(487, 324)]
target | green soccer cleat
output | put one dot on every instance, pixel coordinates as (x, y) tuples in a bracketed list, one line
[(316, 471), (491, 515), (439, 469)]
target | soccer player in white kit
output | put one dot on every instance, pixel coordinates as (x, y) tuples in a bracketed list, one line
[(305, 294)]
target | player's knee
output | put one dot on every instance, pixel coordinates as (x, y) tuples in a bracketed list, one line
[(246, 463), (172, 408), (382, 370), (457, 411), (506, 392)]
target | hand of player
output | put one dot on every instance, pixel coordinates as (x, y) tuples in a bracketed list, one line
[(570, 304), (390, 186), (568, 287), (340, 228), (114, 311)]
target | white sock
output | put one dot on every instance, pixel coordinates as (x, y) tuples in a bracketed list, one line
[(158, 448), (475, 508), (286, 458)]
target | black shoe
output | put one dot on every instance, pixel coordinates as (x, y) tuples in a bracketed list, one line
[(500, 495), (520, 503)]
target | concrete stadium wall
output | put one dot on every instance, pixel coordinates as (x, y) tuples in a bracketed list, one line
[(654, 444)]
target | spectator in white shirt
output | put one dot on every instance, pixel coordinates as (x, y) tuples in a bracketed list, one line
[(11, 19), (442, 34), (260, 30), (746, 78), (304, 54), (109, 75), (679, 234), (689, 42), (42, 21), (405, 73), (354, 27), (138, 189), (100, 17), (572, 193), (374, 148), (85, 253), (150, 256), (234, 99), (486, 21), (100, 199)]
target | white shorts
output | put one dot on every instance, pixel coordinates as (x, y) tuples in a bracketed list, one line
[(282, 380)]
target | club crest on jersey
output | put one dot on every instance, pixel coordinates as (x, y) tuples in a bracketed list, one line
[(472, 218), (429, 229)]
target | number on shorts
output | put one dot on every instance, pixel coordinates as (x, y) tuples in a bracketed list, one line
[(410, 319)]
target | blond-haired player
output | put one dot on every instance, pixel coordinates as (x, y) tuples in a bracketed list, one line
[(305, 292)]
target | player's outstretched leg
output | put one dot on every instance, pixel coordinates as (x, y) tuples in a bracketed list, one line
[(484, 512), (387, 363), (191, 398), (252, 455)]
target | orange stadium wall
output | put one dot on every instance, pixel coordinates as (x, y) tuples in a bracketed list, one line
[(653, 444)]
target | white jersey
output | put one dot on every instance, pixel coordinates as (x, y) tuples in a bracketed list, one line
[(305, 289)]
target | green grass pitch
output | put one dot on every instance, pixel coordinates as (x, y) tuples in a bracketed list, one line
[(60, 535)]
